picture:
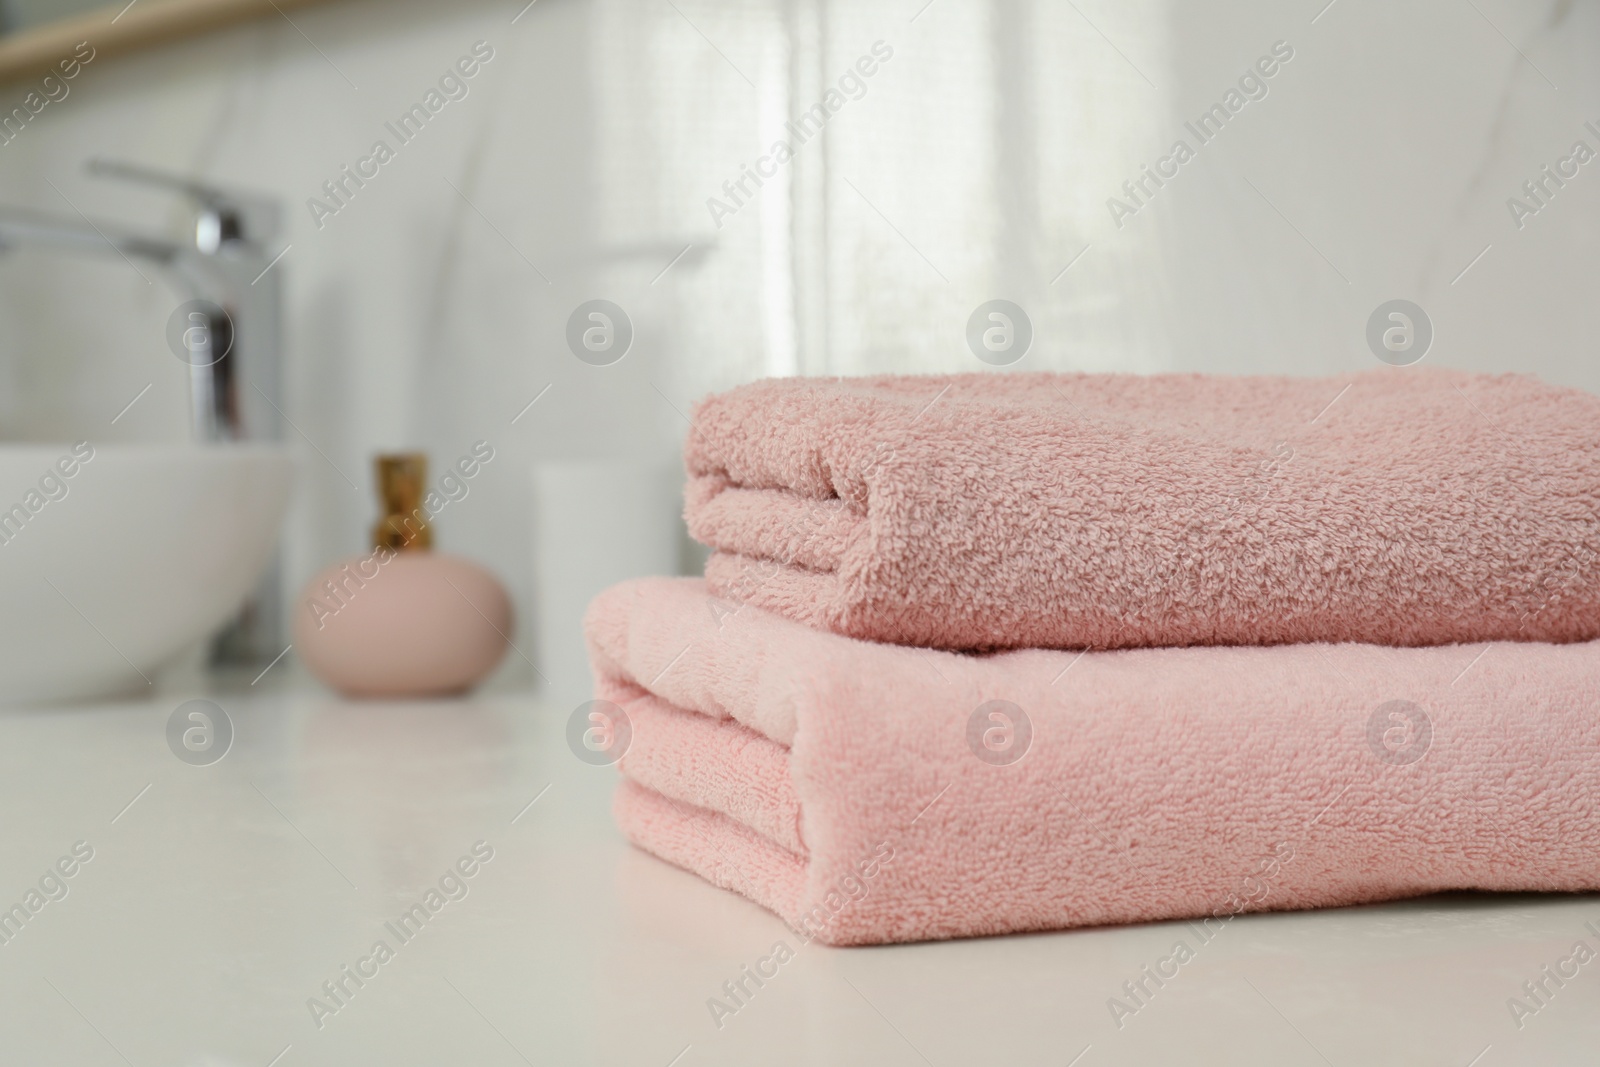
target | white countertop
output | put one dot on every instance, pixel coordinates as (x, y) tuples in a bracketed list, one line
[(224, 896)]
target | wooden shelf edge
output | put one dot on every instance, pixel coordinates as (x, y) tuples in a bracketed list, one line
[(119, 29)]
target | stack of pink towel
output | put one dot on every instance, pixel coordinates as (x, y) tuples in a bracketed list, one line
[(991, 653)]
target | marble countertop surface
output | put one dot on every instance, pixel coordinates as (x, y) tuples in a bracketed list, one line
[(204, 911)]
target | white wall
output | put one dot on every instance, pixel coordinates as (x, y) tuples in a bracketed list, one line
[(1391, 142)]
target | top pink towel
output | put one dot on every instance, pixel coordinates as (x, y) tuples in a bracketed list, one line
[(985, 511)]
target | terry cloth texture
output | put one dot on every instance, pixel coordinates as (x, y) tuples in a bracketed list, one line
[(872, 793), (986, 511)]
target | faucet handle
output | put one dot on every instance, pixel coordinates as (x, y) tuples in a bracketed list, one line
[(226, 214)]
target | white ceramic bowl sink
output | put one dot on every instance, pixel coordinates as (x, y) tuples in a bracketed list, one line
[(109, 572)]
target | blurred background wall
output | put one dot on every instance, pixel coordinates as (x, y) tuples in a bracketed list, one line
[(975, 162)]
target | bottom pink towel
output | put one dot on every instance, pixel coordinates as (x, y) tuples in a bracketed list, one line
[(874, 793)]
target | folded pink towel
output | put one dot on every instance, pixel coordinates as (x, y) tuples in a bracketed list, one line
[(1400, 506), (871, 793)]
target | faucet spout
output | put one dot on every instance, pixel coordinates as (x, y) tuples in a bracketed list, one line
[(227, 278), (20, 226)]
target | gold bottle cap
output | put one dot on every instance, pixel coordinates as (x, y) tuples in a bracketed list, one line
[(404, 525)]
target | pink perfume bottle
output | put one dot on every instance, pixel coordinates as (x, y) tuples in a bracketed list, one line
[(402, 621)]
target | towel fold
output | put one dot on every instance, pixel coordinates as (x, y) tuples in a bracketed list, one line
[(870, 793), (1401, 507)]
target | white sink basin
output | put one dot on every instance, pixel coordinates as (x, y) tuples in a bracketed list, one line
[(109, 572)]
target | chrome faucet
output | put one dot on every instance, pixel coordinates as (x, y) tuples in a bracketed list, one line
[(224, 262), (226, 272)]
